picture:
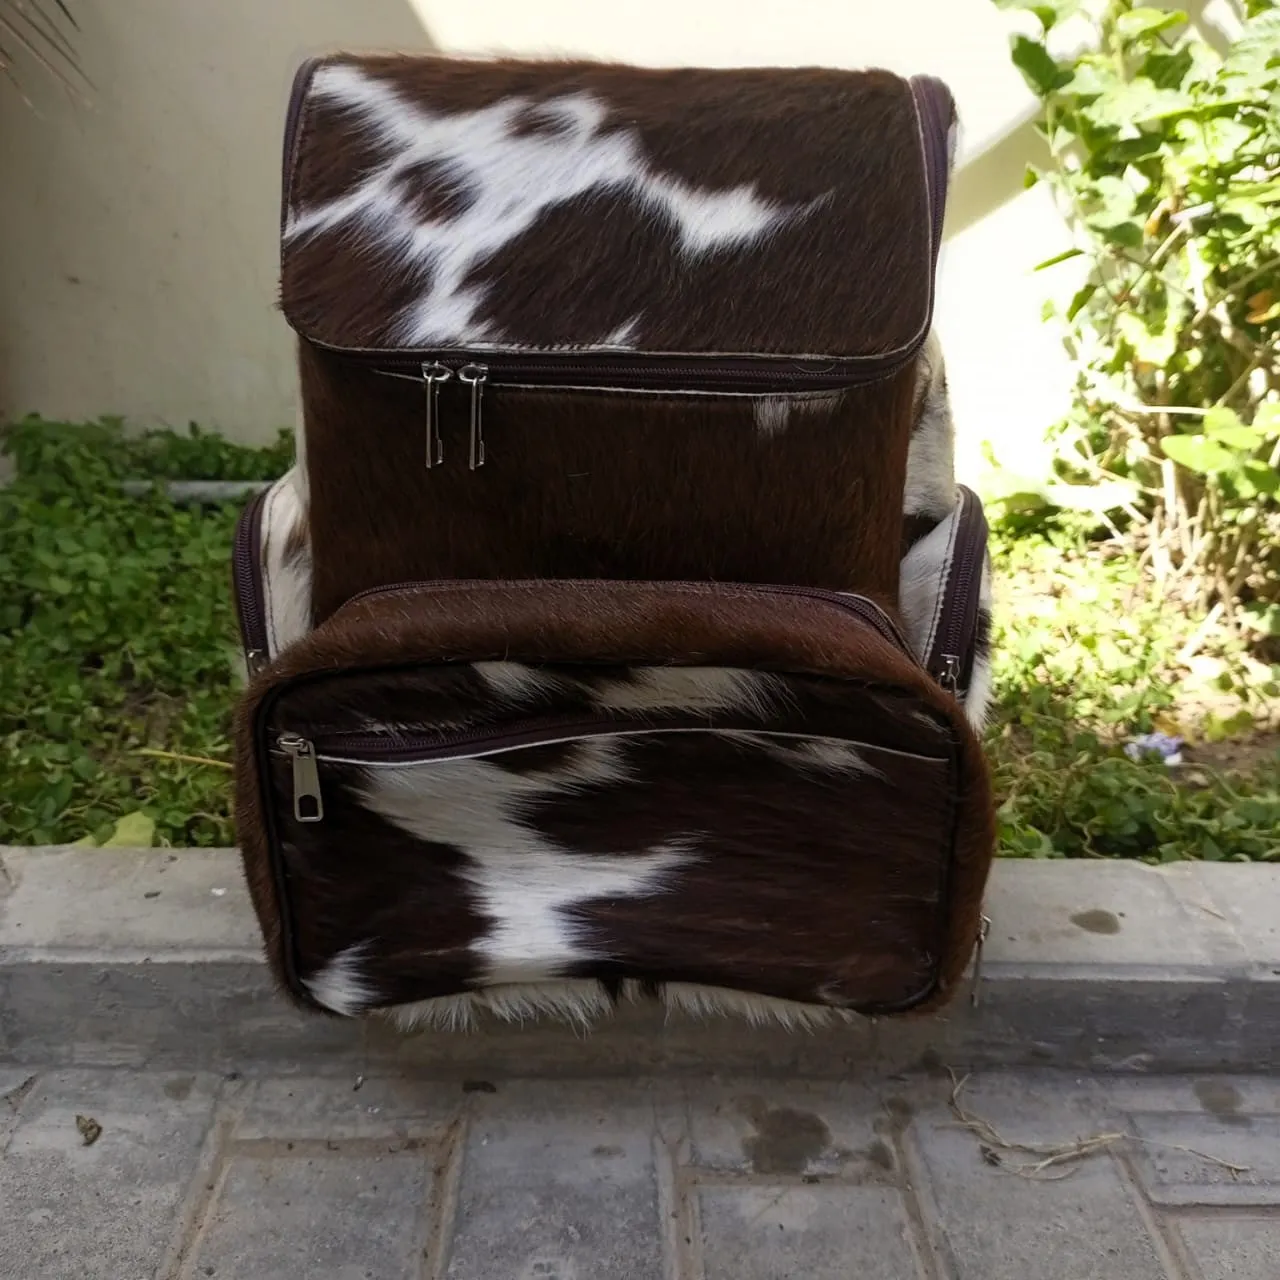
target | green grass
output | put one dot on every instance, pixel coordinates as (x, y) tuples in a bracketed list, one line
[(117, 636), (118, 652), (1085, 659)]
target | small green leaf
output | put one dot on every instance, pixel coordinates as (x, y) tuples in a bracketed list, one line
[(1128, 234), (1265, 479), (1147, 21), (1245, 439), (1219, 419), (1081, 299), (1167, 70), (1198, 453), (1065, 256), (1037, 65), (134, 831), (1030, 176), (1267, 419), (1262, 619)]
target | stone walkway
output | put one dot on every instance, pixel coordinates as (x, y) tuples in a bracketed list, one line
[(113, 1174)]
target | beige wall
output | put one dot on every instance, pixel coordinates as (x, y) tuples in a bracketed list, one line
[(138, 252), (138, 236)]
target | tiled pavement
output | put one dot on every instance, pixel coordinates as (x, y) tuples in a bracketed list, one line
[(298, 1177)]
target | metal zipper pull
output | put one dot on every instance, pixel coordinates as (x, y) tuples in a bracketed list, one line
[(308, 805), (475, 376), (950, 677), (983, 930), (433, 375), (255, 660)]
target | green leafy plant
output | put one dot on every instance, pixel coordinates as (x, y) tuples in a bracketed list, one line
[(1085, 659), (118, 654), (1166, 160)]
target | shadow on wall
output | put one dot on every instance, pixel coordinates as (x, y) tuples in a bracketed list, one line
[(140, 229)]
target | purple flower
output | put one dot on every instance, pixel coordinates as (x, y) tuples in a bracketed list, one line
[(1160, 745)]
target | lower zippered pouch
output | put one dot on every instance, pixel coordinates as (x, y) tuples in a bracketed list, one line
[(461, 795)]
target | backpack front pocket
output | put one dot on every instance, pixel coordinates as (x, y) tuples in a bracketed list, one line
[(453, 812)]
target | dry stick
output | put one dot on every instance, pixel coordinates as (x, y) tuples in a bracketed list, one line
[(183, 759), (992, 1142)]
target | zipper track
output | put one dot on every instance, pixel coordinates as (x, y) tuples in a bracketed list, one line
[(418, 747), (958, 616), (249, 589), (642, 371), (860, 606)]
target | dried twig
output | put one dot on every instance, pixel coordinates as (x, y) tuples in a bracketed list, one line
[(157, 754), (1050, 1156)]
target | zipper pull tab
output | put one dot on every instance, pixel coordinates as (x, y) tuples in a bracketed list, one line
[(984, 929), (950, 677), (475, 376), (433, 375), (308, 805)]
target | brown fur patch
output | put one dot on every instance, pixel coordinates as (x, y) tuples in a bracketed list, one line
[(611, 485)]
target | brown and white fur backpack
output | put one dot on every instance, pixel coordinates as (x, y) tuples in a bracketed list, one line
[(652, 663)]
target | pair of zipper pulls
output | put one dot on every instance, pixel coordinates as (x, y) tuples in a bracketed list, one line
[(434, 375)]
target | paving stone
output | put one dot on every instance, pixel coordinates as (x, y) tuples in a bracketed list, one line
[(770, 1127), (769, 1233), (102, 1211), (349, 1106), (1176, 1166), (329, 1216), (1229, 1097), (1118, 914), (1234, 1248), (999, 1226), (559, 1182), (1251, 905)]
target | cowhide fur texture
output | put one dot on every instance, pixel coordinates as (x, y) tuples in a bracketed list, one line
[(513, 878), (455, 212)]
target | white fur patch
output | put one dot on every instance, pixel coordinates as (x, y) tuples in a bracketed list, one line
[(286, 581), (577, 1001), (584, 1002), (818, 755), (923, 581), (515, 681), (759, 1011), (506, 181), (692, 689), (523, 881), (340, 986), (772, 414), (930, 485)]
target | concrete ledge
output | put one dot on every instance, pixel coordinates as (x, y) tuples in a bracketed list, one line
[(118, 957)]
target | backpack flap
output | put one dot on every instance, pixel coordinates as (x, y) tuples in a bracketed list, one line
[(547, 222), (568, 269)]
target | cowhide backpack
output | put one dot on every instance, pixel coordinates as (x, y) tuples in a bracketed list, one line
[(621, 631)]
